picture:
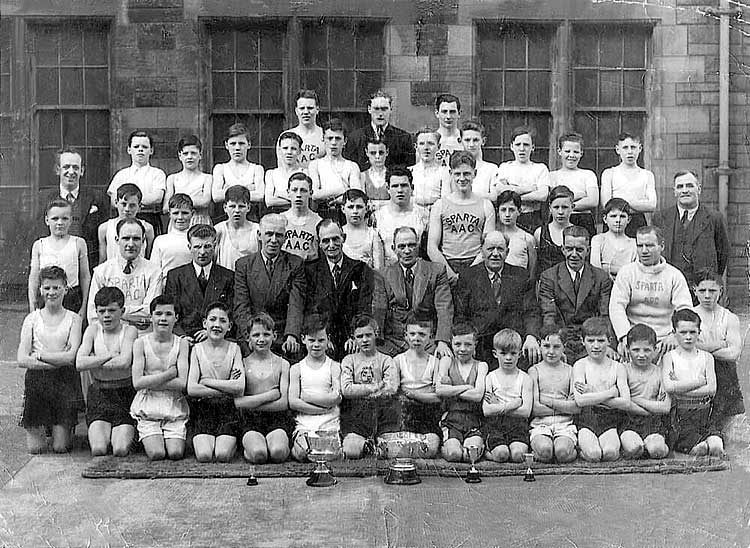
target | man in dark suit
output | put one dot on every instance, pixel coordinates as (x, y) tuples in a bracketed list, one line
[(89, 209), (695, 236), (201, 282), (399, 142), (412, 288), (573, 291), (271, 281), (338, 288), (494, 296)]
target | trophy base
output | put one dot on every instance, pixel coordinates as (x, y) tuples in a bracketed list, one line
[(472, 476), (252, 481), (402, 472), (529, 476), (321, 479)]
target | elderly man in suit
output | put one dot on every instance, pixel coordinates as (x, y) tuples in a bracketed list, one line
[(271, 281), (493, 295), (338, 288), (412, 288), (201, 282), (573, 291), (695, 236)]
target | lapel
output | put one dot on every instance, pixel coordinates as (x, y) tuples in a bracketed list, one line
[(420, 282), (214, 287), (347, 271), (587, 283), (259, 276), (193, 287), (669, 218), (701, 220), (566, 283), (395, 278)]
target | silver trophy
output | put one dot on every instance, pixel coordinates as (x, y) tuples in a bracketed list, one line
[(403, 470), (472, 476), (322, 448), (529, 475)]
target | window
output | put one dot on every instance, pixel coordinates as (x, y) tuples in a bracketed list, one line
[(609, 88), (343, 62), (247, 73), (71, 96), (515, 86), (6, 106)]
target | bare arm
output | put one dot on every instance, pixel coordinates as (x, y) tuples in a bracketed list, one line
[(23, 356), (489, 217), (272, 200), (140, 380), (84, 358), (33, 286), (648, 202), (476, 394), (179, 383), (258, 192), (622, 400), (84, 276), (205, 198), (194, 386), (732, 347), (330, 398), (435, 237), (538, 409), (541, 188), (282, 402), (527, 399), (67, 357), (587, 399), (378, 253), (672, 384), (155, 194), (168, 194), (296, 403), (102, 236), (659, 406), (591, 199), (217, 185), (443, 386), (606, 190), (124, 360), (531, 250)]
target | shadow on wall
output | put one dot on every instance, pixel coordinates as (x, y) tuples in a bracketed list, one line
[(17, 233)]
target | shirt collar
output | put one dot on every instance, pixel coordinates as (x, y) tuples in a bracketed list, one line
[(331, 265), (267, 258), (491, 273), (121, 261), (64, 192), (206, 268), (573, 272), (375, 128), (690, 212)]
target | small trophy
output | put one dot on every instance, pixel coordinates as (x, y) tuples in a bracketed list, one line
[(252, 480), (321, 448), (403, 471), (472, 476), (529, 475)]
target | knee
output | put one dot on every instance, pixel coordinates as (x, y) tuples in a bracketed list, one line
[(256, 455), (121, 451), (433, 444), (543, 452), (517, 454), (156, 454), (657, 450), (299, 453), (278, 453), (632, 449), (610, 453), (453, 453), (223, 455), (175, 453), (501, 453), (99, 448), (353, 449), (62, 447), (591, 454), (202, 455), (565, 453)]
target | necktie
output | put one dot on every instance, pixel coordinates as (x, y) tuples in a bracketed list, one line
[(577, 282), (269, 268), (684, 218), (496, 281), (379, 133), (70, 198), (128, 267), (203, 280), (336, 275), (409, 285)]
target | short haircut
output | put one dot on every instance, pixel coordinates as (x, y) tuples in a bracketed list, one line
[(364, 320), (427, 129), (236, 130), (708, 275), (108, 295), (53, 273), (552, 330), (464, 328), (162, 300), (122, 222), (355, 194), (217, 305), (238, 194), (522, 130), (180, 200), (685, 315), (307, 94), (595, 327), (262, 319), (409, 229), (273, 218), (335, 124), (570, 137), (313, 324), (374, 140), (683, 172), (447, 98), (201, 231), (641, 332), (290, 135), (398, 171), (560, 191), (462, 157), (299, 176), (421, 320), (473, 125), (127, 190), (189, 141), (140, 133), (507, 340), (326, 223), (508, 196), (651, 229), (625, 135), (483, 237), (619, 204), (575, 231), (67, 149), (58, 202), (381, 93)]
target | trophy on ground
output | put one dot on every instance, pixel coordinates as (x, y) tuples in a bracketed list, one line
[(529, 475), (403, 470), (252, 480), (472, 476), (322, 447)]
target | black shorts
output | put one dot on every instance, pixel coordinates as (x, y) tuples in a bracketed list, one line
[(504, 430), (598, 419), (369, 417), (459, 425), (51, 397), (690, 426), (110, 405), (645, 425), (213, 416), (420, 417), (265, 422), (728, 399)]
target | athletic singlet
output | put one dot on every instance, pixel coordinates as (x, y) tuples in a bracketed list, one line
[(361, 249), (551, 387), (644, 384), (333, 176), (507, 393), (428, 183), (312, 146), (485, 179), (219, 370), (113, 250), (457, 404), (100, 349), (374, 186), (416, 380), (246, 178), (302, 235), (549, 253), (518, 251), (609, 380), (153, 363), (256, 384), (317, 381), (280, 182), (689, 368), (66, 258), (463, 225), (630, 188), (50, 338), (230, 249), (193, 187)]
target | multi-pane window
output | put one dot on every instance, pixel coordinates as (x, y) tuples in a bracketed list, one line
[(71, 96), (515, 86), (343, 62), (6, 106), (247, 74), (609, 88)]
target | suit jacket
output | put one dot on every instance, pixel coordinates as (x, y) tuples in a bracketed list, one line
[(431, 298), (710, 240), (337, 306), (399, 142), (182, 286), (558, 301), (475, 304), (282, 297), (94, 211)]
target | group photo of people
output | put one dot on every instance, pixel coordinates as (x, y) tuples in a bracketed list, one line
[(379, 285)]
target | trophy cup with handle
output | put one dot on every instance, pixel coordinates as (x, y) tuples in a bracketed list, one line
[(472, 476), (403, 470), (322, 448), (529, 475)]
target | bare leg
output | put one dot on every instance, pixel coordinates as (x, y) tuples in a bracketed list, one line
[(255, 448), (100, 433), (122, 439), (278, 445), (203, 447), (225, 447)]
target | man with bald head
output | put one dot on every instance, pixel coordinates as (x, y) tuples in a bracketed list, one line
[(493, 295), (271, 281)]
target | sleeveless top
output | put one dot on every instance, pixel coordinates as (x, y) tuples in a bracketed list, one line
[(548, 387), (312, 147), (386, 223), (193, 187), (113, 250), (457, 404), (332, 176), (50, 338), (66, 258), (374, 186), (362, 250), (463, 225), (154, 363), (109, 376), (611, 257), (506, 393), (689, 368), (246, 178), (549, 253), (518, 252), (608, 382), (644, 384), (428, 184), (629, 188), (416, 380), (317, 381), (219, 370), (255, 384), (485, 179), (280, 181), (229, 249), (301, 235), (716, 326)]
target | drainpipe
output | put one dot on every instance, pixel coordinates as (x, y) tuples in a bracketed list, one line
[(724, 169)]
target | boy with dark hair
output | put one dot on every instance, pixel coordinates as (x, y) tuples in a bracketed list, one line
[(128, 204), (171, 249)]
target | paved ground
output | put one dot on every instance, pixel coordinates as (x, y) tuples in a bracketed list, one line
[(44, 502)]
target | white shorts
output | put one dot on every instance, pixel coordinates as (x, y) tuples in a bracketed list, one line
[(553, 427), (168, 429)]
